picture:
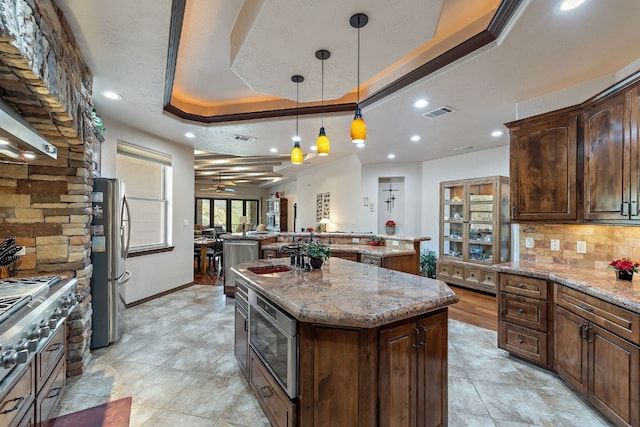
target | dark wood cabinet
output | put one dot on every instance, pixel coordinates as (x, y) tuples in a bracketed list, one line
[(241, 326), (612, 158), (525, 313), (600, 365), (412, 372), (543, 167)]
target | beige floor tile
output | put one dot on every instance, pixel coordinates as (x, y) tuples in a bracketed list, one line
[(176, 361)]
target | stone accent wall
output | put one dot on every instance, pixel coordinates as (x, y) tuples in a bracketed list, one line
[(604, 243), (45, 204)]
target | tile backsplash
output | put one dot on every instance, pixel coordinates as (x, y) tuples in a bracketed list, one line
[(604, 243)]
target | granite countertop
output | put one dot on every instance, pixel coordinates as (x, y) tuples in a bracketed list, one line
[(346, 293), (250, 235), (346, 235), (597, 283), (380, 251)]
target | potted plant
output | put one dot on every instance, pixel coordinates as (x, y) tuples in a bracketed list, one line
[(375, 240), (317, 253), (428, 263), (390, 226), (624, 267)]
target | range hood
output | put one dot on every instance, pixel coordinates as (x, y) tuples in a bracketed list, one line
[(19, 142)]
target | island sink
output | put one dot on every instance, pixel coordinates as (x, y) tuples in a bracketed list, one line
[(269, 269)]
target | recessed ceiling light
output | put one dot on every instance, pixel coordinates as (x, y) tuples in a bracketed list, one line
[(360, 145), (565, 6), (112, 95), (421, 103), (391, 156), (497, 133), (415, 138), (296, 138), (313, 148), (4, 141), (190, 135), (273, 150)]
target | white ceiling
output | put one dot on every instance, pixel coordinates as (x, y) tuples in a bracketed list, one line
[(239, 53)]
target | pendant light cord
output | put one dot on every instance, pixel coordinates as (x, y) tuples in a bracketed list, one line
[(358, 106), (297, 89), (322, 92)]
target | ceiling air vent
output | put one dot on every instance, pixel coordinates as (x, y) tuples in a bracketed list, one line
[(244, 138), (438, 112), (464, 148)]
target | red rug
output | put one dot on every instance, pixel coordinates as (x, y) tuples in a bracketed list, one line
[(110, 414)]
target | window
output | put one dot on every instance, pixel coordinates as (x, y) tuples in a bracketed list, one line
[(226, 213), (146, 174)]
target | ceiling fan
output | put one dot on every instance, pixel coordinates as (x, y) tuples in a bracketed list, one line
[(221, 188)]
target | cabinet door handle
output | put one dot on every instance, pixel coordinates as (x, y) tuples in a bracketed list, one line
[(624, 208), (520, 285), (584, 331), (585, 308), (423, 343), (54, 392), (266, 391), (55, 347), (520, 311), (18, 401), (520, 339), (513, 211), (417, 343), (246, 325), (635, 208)]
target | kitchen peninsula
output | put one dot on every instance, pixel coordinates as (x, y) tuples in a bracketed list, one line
[(371, 343)]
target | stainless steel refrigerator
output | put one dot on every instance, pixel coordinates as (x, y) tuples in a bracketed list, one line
[(110, 237)]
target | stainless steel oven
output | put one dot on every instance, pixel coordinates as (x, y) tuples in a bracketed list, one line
[(273, 335)]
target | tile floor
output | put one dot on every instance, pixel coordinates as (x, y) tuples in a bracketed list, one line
[(176, 361)]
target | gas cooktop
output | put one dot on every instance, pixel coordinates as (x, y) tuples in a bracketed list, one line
[(16, 292)]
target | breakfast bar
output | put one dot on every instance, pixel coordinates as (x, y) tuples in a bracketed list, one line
[(370, 343)]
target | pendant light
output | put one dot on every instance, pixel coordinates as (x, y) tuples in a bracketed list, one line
[(358, 126), (297, 156), (322, 143)]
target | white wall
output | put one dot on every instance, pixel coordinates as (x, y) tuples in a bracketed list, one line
[(341, 178), (472, 165), (153, 274), (410, 223)]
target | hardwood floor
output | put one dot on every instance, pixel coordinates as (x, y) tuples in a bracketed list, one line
[(475, 307), (213, 275)]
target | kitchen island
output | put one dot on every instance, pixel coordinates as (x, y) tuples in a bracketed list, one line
[(371, 344)]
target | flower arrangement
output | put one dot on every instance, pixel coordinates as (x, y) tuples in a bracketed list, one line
[(624, 264), (390, 223)]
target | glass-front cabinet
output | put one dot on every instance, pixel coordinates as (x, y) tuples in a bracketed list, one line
[(474, 231)]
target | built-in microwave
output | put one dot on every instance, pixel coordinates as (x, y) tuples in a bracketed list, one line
[(273, 335)]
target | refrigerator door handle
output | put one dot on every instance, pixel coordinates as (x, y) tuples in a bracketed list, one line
[(125, 219), (125, 277)]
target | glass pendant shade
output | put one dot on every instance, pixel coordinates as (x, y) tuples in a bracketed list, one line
[(322, 143), (297, 156), (358, 128)]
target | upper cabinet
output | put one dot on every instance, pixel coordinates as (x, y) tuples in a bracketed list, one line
[(611, 158), (277, 212), (543, 168), (579, 164)]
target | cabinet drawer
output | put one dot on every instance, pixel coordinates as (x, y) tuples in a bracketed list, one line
[(46, 359), (527, 343), (50, 394), (479, 276), (617, 320), (18, 400), (524, 311), (522, 285), (277, 406), (350, 256)]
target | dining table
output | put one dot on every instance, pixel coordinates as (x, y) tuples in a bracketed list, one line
[(204, 243)]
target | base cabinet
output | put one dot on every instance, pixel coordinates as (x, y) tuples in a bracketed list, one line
[(391, 376), (413, 373), (592, 344)]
